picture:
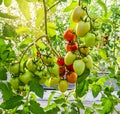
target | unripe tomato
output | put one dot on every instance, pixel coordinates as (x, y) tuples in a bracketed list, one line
[(78, 14), (30, 65), (69, 35), (71, 77), (69, 58), (89, 62), (54, 80), (89, 40), (63, 85), (60, 61), (79, 67), (26, 77), (82, 28), (71, 46), (54, 70), (15, 83), (14, 68), (84, 50), (70, 68)]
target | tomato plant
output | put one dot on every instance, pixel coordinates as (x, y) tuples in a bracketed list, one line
[(56, 44)]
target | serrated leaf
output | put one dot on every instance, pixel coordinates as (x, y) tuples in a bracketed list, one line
[(35, 108), (24, 7), (6, 90), (7, 2), (103, 5), (36, 87), (12, 102), (5, 15), (96, 89), (3, 75), (39, 17)]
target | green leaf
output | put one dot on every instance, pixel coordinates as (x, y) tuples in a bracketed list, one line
[(96, 89), (50, 97), (102, 53), (31, 0), (9, 31), (1, 2), (24, 7), (59, 100), (5, 55), (78, 103), (5, 15), (6, 90), (103, 5), (118, 93), (107, 105), (51, 29), (12, 102), (82, 88), (73, 111), (71, 6), (88, 110), (35, 108), (36, 87), (3, 75), (7, 2), (54, 110), (39, 17)]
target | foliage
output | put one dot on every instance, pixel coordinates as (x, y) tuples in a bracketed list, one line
[(35, 30)]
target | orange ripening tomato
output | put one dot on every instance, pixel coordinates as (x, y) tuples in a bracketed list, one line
[(71, 46), (71, 77), (69, 35)]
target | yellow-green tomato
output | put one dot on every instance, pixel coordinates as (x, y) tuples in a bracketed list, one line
[(63, 86), (26, 77), (69, 58), (54, 80), (89, 62), (14, 82), (14, 68), (79, 67), (30, 65), (82, 28), (54, 70), (89, 40), (78, 14)]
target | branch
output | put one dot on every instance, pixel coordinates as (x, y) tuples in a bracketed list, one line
[(53, 5)]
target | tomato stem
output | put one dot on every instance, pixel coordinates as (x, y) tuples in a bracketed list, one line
[(79, 3)]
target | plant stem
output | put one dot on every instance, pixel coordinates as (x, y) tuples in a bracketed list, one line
[(79, 3), (53, 5)]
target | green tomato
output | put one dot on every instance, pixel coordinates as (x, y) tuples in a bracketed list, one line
[(47, 60), (63, 86), (78, 14), (54, 70), (79, 67), (14, 82), (89, 40), (54, 80), (30, 65), (89, 62), (14, 68), (82, 28), (69, 58), (26, 77)]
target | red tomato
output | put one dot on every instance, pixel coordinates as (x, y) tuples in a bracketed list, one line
[(60, 61), (70, 67), (71, 46), (62, 71), (69, 35), (71, 77), (106, 37)]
